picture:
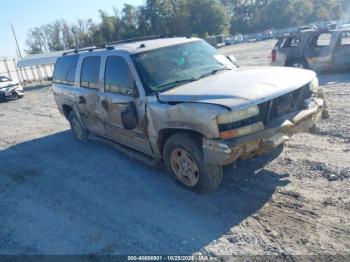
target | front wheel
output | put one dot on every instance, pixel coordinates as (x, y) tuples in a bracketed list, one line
[(183, 158)]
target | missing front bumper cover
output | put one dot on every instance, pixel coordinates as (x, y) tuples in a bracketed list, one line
[(224, 152)]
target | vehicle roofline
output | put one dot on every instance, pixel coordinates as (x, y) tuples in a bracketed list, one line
[(120, 46)]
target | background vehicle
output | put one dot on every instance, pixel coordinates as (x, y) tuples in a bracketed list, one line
[(268, 34), (180, 101), (325, 50), (307, 28), (344, 26), (216, 41), (10, 89)]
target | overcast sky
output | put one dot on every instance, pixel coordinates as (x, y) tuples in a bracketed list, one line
[(31, 13)]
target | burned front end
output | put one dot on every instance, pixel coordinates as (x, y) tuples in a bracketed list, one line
[(261, 128)]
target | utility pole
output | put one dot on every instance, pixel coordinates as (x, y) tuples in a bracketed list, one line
[(14, 35)]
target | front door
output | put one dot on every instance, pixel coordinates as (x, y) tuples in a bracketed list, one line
[(120, 94)]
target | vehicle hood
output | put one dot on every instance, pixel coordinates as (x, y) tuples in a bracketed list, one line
[(7, 84), (241, 87)]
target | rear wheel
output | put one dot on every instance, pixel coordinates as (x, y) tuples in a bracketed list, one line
[(299, 63), (78, 130), (183, 158)]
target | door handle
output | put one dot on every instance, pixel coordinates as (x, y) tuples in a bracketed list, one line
[(104, 104), (82, 100)]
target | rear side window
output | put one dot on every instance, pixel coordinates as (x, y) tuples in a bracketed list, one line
[(345, 39), (65, 69), (90, 72), (290, 42), (324, 40), (118, 78)]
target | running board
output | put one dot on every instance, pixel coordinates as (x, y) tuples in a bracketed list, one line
[(131, 153)]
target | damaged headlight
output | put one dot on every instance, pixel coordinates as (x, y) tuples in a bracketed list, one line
[(314, 85), (235, 116), (231, 124), (242, 131)]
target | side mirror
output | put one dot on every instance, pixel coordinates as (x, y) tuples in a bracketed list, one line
[(233, 59), (129, 117)]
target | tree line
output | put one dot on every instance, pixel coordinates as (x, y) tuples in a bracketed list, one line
[(183, 17)]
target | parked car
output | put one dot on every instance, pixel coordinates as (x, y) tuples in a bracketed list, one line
[(180, 101), (268, 34), (216, 41), (10, 89), (343, 26), (307, 28), (325, 50)]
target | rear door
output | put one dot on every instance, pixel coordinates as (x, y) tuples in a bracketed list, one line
[(119, 93), (88, 95), (319, 51), (341, 54)]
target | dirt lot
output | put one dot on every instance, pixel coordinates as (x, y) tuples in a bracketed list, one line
[(58, 196)]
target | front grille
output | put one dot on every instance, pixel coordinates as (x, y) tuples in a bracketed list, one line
[(274, 108)]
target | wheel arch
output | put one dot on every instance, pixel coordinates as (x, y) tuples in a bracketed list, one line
[(66, 109), (290, 60), (164, 134)]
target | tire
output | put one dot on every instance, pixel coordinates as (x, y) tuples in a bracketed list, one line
[(298, 63), (77, 128), (205, 178)]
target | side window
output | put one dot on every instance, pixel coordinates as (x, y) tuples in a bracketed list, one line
[(118, 78), (324, 40), (345, 39), (295, 42), (90, 72), (291, 42), (65, 69)]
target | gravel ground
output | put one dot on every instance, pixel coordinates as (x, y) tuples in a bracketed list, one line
[(58, 196)]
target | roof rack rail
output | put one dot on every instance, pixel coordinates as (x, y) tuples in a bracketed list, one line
[(131, 40), (109, 45), (86, 49)]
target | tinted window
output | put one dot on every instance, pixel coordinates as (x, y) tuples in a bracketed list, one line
[(65, 70), (90, 71), (117, 76)]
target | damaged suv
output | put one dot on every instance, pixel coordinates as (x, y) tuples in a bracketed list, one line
[(319, 50), (180, 101)]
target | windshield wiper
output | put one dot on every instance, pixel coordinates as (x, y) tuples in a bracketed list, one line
[(183, 81), (177, 82), (213, 72)]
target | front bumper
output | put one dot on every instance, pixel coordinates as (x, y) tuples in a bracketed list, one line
[(12, 93), (277, 132)]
